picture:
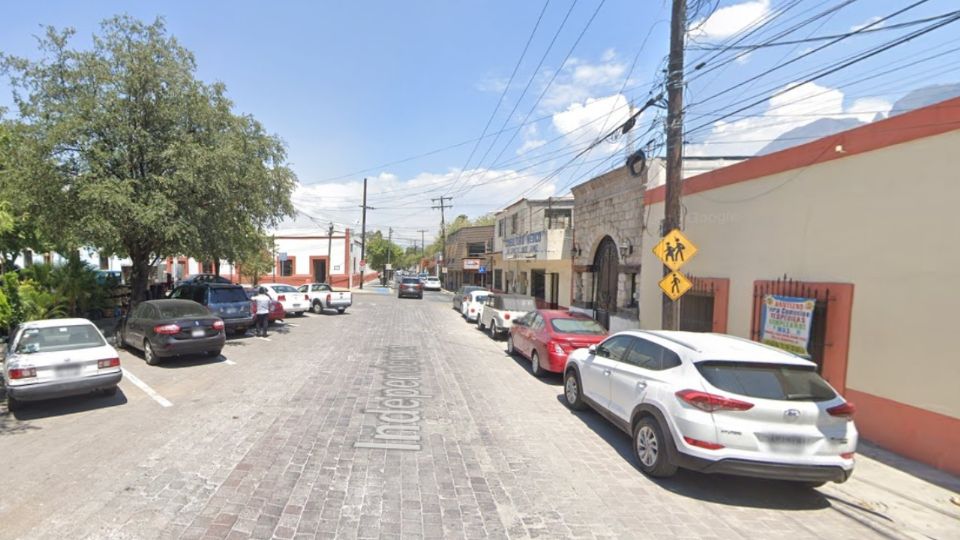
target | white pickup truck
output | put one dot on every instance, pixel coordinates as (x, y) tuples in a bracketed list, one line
[(322, 297)]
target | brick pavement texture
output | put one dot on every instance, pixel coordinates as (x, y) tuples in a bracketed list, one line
[(266, 450)]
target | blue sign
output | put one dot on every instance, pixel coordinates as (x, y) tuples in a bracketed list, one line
[(483, 270)]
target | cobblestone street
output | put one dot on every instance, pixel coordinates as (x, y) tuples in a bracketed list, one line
[(300, 437)]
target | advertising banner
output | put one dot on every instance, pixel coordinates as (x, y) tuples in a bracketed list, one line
[(785, 323)]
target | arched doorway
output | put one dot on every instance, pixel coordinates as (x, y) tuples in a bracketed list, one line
[(606, 269)]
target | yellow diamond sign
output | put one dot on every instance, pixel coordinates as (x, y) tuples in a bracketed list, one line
[(674, 249), (675, 285)]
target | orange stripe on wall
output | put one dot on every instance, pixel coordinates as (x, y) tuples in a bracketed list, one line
[(928, 121), (917, 433)]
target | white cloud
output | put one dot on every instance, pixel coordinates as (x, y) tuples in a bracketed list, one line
[(797, 107), (495, 85), (729, 20), (582, 122), (581, 80), (866, 23), (530, 144)]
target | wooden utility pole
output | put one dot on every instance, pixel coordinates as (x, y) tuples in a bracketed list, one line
[(671, 215), (443, 226), (363, 232), (423, 249), (330, 254)]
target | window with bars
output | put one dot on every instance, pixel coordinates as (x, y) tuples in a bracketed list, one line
[(558, 218), (286, 267)]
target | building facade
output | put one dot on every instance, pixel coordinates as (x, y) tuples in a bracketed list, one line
[(466, 259), (854, 224), (532, 250)]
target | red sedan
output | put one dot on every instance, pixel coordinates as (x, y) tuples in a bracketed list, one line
[(276, 311), (548, 336)]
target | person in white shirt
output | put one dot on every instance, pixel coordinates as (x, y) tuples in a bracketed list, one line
[(262, 302)]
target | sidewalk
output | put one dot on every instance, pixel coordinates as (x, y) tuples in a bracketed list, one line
[(896, 493)]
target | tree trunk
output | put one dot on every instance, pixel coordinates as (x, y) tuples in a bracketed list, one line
[(139, 277), (216, 266)]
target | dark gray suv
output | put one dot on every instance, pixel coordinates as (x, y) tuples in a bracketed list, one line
[(229, 302)]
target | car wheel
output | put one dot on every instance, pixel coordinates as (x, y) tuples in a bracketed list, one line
[(650, 449), (572, 391), (118, 339), (493, 329), (535, 365), (13, 405), (317, 307), (480, 325), (341, 310), (148, 354), (510, 350), (109, 392)]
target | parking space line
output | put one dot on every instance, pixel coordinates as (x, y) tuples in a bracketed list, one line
[(291, 324), (146, 389), (263, 338), (229, 362)]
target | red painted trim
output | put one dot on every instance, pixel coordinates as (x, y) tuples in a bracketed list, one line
[(279, 267), (346, 251), (928, 121), (926, 436), (721, 300), (320, 258), (836, 346)]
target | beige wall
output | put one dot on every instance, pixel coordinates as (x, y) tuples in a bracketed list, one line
[(885, 221)]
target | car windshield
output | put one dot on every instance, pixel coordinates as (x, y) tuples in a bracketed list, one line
[(519, 304), (59, 338), (767, 381), (227, 294), (577, 326), (174, 310), (284, 288)]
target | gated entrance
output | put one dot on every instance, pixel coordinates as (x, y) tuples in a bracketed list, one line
[(696, 307), (606, 264)]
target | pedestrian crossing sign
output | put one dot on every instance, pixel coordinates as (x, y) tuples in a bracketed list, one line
[(675, 285), (674, 249)]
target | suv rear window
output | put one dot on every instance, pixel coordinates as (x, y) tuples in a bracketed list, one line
[(519, 304), (767, 381), (223, 295), (409, 280)]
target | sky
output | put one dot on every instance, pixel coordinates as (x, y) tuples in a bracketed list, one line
[(400, 92)]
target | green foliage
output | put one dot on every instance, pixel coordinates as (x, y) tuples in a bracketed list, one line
[(6, 313), (377, 249), (255, 258), (126, 150), (36, 302)]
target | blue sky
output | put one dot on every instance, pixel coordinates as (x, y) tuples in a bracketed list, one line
[(351, 85)]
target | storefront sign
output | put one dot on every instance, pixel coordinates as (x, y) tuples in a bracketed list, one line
[(471, 264), (524, 243), (785, 323)]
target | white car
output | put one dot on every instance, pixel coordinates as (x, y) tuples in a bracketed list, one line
[(471, 308), (716, 404), (58, 358), (500, 310), (293, 301), (431, 283)]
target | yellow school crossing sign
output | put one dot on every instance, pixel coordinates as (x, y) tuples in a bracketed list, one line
[(675, 285), (674, 249)]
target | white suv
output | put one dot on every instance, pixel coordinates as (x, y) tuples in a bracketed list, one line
[(717, 404)]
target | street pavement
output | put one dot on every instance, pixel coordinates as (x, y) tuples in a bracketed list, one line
[(395, 420)]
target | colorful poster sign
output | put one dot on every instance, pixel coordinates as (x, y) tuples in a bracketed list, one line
[(471, 264), (785, 322)]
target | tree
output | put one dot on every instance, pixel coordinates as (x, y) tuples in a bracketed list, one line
[(256, 258), (144, 160), (377, 249), (21, 197)]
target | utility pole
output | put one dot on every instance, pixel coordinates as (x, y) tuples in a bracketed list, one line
[(443, 226), (671, 218), (388, 271), (423, 249), (363, 232), (329, 253)]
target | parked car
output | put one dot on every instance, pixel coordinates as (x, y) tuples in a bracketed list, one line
[(294, 302), (717, 404), (547, 337), (410, 286), (276, 308), (322, 296), (228, 302), (204, 278), (431, 283), (461, 295), (168, 328), (58, 358), (500, 310), (470, 309)]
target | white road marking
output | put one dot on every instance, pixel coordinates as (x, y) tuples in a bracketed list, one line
[(291, 324), (263, 338), (146, 389), (230, 362)]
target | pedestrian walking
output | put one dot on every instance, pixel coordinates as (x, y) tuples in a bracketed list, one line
[(262, 305)]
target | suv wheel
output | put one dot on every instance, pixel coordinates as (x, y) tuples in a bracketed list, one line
[(650, 448), (317, 307), (480, 325), (535, 365), (572, 391), (493, 329)]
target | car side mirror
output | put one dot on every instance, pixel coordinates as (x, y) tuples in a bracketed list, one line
[(592, 350)]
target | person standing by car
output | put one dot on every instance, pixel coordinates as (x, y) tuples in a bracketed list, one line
[(262, 311)]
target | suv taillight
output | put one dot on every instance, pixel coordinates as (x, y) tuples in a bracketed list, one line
[(108, 363), (844, 410), (23, 373), (712, 402), (166, 329)]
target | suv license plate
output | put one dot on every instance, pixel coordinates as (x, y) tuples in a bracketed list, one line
[(198, 332)]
